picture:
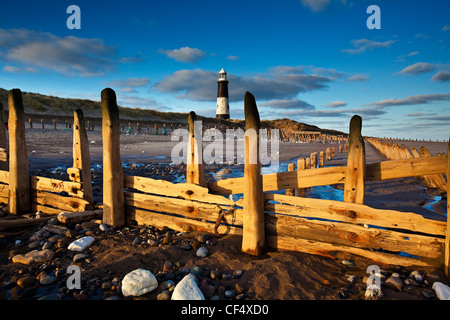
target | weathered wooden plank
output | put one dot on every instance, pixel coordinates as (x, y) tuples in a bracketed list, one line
[(354, 235), (384, 170), (70, 204), (183, 190), (405, 168), (143, 217), (44, 209), (354, 213), (4, 190), (188, 208), (284, 180), (282, 243), (54, 185), (4, 177), (253, 238), (78, 217)]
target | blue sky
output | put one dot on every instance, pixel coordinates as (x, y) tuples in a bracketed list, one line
[(314, 61)]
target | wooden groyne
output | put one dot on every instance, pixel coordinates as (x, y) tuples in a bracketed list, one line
[(264, 220)]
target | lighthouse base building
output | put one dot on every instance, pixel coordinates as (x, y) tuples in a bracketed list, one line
[(223, 106)]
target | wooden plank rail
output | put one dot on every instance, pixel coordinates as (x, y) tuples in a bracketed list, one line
[(384, 170), (53, 185), (188, 208), (355, 213)]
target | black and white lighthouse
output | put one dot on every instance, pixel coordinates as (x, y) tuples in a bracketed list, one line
[(223, 107)]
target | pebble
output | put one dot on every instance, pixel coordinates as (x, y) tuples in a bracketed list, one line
[(165, 295), (186, 247), (138, 282), (46, 279), (103, 227), (442, 290), (34, 245), (209, 291), (394, 282), (81, 244), (428, 294), (348, 263), (187, 289), (137, 241), (195, 270), (202, 252), (229, 294), (34, 257), (26, 281), (417, 276), (80, 257), (152, 243)]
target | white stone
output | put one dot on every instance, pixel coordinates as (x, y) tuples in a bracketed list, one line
[(187, 289), (81, 244), (138, 282), (442, 290), (202, 252)]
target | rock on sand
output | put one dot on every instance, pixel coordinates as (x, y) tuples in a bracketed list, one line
[(138, 282), (81, 244), (187, 289)]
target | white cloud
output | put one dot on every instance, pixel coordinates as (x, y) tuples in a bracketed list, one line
[(442, 76), (131, 83), (363, 45), (233, 58), (446, 28), (13, 69), (418, 68), (184, 54), (288, 104), (337, 104), (282, 82), (67, 55), (412, 100), (359, 77), (316, 5)]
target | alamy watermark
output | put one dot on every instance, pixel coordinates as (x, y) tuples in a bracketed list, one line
[(228, 147)]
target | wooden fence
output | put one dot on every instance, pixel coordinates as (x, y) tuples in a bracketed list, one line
[(265, 220)]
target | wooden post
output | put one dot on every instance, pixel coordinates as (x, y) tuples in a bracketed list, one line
[(54, 124), (30, 122), (253, 239), (195, 172), (321, 159), (447, 237), (356, 164), (313, 160), (291, 192), (328, 152), (19, 179), (42, 124), (113, 177), (301, 165), (81, 157)]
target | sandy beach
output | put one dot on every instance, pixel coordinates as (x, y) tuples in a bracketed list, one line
[(274, 276)]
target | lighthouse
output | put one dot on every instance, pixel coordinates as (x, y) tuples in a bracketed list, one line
[(223, 107)]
